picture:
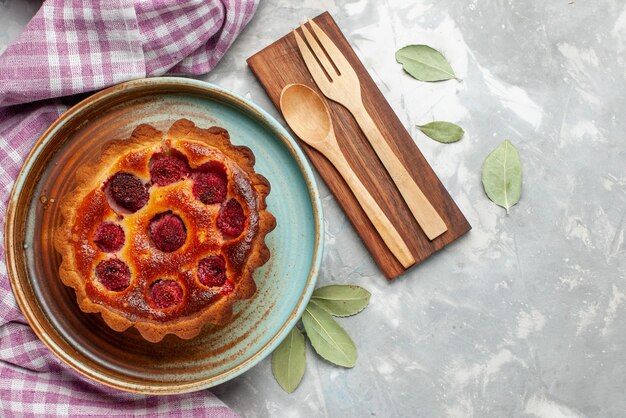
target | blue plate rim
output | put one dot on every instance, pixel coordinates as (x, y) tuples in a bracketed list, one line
[(255, 358)]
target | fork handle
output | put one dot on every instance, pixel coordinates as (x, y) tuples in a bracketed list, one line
[(423, 211), (381, 223)]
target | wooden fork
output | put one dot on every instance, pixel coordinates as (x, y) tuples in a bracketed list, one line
[(341, 84)]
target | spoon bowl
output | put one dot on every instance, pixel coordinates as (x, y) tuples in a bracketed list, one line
[(306, 113)]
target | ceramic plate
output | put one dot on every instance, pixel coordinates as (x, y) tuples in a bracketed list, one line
[(124, 360)]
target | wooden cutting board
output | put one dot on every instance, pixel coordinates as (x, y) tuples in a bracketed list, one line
[(280, 64)]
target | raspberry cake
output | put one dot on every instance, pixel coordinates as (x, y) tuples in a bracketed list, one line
[(165, 232)]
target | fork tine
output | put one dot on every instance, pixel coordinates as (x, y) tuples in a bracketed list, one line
[(314, 67), (333, 52), (319, 53)]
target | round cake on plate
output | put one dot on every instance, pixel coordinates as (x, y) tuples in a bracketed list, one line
[(165, 231)]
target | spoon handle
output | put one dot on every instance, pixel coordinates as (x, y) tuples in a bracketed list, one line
[(383, 225)]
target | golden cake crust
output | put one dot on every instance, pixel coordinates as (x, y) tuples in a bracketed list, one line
[(193, 302)]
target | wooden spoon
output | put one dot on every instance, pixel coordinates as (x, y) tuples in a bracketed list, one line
[(307, 114)]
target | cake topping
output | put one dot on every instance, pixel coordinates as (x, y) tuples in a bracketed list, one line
[(212, 270), (216, 167), (114, 274), (228, 288), (128, 191), (167, 231), (166, 293), (166, 169), (109, 237), (210, 183), (231, 219)]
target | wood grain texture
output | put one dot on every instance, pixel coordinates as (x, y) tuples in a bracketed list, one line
[(280, 64), (307, 115), (341, 84)]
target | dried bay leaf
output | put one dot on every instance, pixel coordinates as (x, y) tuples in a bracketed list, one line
[(502, 175), (341, 300), (424, 63), (444, 132), (289, 361), (328, 338)]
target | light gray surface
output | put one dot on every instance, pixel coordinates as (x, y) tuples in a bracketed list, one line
[(524, 316)]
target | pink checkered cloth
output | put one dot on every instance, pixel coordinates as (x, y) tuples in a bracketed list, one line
[(77, 46)]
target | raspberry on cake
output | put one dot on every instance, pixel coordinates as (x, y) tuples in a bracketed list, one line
[(165, 231), (127, 191), (167, 169), (109, 237), (212, 270)]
